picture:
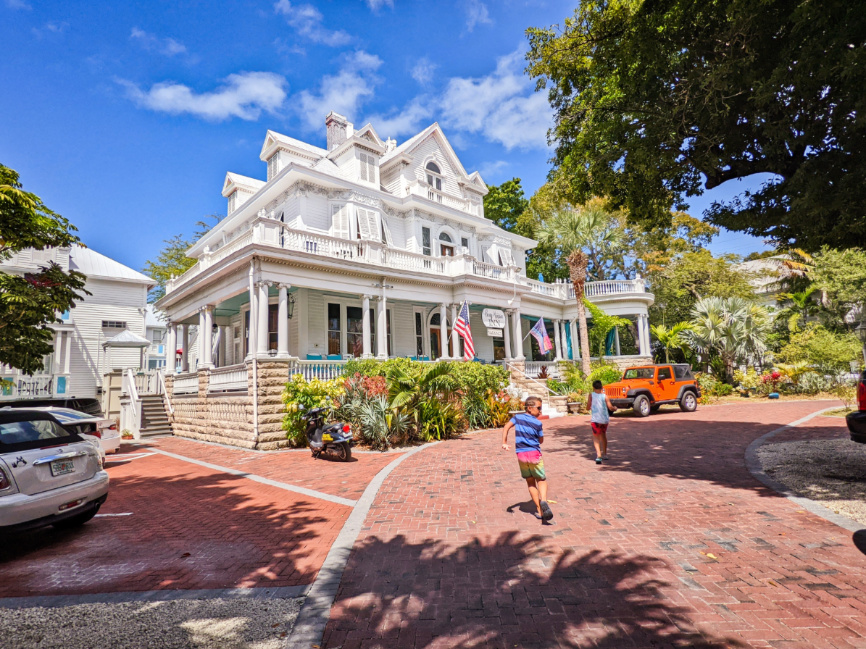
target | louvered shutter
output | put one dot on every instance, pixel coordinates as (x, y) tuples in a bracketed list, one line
[(366, 224), (507, 259), (387, 231), (340, 221)]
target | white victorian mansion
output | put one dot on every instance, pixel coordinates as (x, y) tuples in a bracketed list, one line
[(363, 249)]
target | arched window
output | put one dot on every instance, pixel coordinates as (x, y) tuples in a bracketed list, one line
[(434, 176), (445, 237), (446, 247)]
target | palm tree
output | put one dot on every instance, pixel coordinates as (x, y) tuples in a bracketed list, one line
[(732, 327), (802, 306), (590, 236), (671, 338)]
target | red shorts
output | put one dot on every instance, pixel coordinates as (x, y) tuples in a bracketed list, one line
[(598, 429)]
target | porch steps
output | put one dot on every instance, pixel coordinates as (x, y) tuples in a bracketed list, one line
[(556, 405), (154, 420)]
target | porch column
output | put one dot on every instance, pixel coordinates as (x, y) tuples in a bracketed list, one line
[(558, 337), (506, 336), (262, 320), (382, 328), (68, 353), (55, 357), (366, 351), (455, 343), (643, 330), (575, 341), (206, 338), (283, 323), (170, 348), (616, 340), (184, 358), (443, 331), (517, 330)]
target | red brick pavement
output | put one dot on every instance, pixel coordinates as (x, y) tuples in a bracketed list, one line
[(190, 528), (672, 543), (346, 479)]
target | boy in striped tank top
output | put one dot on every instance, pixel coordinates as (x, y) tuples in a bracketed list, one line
[(528, 436)]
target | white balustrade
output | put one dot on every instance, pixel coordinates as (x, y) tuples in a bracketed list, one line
[(322, 370), (185, 384), (27, 387), (534, 368), (228, 379), (542, 288), (611, 287)]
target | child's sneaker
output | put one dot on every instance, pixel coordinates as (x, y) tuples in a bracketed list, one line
[(546, 512), (604, 457), (598, 460)]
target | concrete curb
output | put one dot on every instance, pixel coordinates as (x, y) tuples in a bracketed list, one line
[(757, 470), (55, 601), (316, 610)]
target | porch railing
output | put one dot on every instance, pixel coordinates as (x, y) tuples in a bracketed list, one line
[(611, 287), (317, 369), (185, 384), (533, 368), (146, 382), (27, 387), (232, 378)]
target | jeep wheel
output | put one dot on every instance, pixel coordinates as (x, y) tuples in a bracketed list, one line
[(689, 402), (641, 406)]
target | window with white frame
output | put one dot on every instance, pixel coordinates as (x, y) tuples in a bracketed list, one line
[(233, 201), (369, 167), (434, 176), (426, 248), (465, 243), (340, 222), (273, 165), (446, 245)]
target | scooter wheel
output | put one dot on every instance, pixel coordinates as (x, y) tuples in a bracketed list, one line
[(344, 452)]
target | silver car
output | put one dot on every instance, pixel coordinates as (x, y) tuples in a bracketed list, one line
[(48, 475), (100, 430)]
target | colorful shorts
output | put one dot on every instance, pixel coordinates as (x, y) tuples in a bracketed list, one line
[(598, 429), (531, 465)]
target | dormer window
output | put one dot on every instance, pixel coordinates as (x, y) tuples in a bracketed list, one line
[(368, 167), (434, 176), (233, 201)]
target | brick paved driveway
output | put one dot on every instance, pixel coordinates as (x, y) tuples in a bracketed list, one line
[(172, 524), (672, 543)]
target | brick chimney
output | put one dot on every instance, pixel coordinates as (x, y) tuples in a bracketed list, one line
[(338, 129)]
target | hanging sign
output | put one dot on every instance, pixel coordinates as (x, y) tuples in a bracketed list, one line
[(493, 318), (494, 333)]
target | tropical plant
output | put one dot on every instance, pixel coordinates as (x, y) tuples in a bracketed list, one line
[(602, 324), (812, 383), (671, 338), (420, 394), (299, 395), (380, 425), (604, 372), (582, 231), (801, 307), (822, 349), (731, 328)]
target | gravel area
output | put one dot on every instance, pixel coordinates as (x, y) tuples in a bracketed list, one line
[(179, 624), (831, 472)]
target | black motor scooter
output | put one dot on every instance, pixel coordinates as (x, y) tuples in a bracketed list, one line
[(334, 439)]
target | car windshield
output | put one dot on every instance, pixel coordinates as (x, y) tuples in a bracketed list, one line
[(18, 432), (639, 373)]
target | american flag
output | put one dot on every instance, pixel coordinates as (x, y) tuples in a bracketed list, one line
[(462, 327)]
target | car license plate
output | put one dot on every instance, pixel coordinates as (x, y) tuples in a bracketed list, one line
[(59, 467)]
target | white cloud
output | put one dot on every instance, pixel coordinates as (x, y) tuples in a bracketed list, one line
[(476, 14), (17, 4), (50, 28), (408, 121), (343, 92), (491, 170), (243, 95), (307, 20), (423, 71), (152, 43), (501, 106), (375, 5)]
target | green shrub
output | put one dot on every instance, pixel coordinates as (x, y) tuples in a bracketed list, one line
[(604, 372), (309, 394), (748, 380), (812, 383), (822, 349)]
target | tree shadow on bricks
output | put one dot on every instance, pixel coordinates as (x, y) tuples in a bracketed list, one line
[(201, 530), (511, 591)]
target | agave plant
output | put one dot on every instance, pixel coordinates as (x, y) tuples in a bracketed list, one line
[(731, 328), (381, 425)]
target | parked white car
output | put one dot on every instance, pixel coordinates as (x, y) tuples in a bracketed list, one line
[(102, 431), (48, 475)]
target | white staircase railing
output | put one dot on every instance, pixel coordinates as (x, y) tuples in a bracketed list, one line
[(130, 412)]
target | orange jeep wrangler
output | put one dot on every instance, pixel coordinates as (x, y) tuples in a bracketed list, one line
[(647, 387)]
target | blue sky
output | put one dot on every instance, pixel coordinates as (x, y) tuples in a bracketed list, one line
[(124, 117)]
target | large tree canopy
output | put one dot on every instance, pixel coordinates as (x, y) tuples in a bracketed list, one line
[(30, 302), (656, 101)]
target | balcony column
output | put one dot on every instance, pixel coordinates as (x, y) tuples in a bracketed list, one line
[(283, 322), (506, 336), (205, 338), (365, 327), (517, 331), (443, 331), (184, 357), (382, 327), (455, 342), (68, 353), (170, 348), (262, 320), (643, 335), (557, 335)]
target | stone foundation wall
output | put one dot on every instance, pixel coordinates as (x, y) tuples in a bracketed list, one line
[(228, 418)]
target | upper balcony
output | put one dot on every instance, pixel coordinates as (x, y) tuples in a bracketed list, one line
[(272, 235)]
